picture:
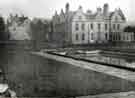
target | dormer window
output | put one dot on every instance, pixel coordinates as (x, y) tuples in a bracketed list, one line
[(99, 26), (83, 36), (114, 27), (106, 26), (118, 26), (77, 27), (77, 37), (91, 25)]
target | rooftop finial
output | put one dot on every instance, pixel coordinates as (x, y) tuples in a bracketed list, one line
[(62, 11), (106, 9), (80, 7), (67, 7)]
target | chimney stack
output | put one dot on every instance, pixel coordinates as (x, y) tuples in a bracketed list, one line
[(67, 8), (106, 9), (99, 10)]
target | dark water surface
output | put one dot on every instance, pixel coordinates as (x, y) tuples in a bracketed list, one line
[(31, 75)]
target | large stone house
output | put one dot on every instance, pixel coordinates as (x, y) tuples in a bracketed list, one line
[(78, 27), (19, 27)]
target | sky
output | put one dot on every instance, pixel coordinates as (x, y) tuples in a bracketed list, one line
[(46, 8)]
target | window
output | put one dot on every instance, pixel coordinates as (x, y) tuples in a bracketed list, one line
[(118, 27), (83, 36), (114, 26), (83, 26), (106, 36), (91, 26), (77, 27), (92, 36), (106, 26), (99, 26), (124, 37), (77, 37)]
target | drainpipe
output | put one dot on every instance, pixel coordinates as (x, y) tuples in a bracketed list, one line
[(88, 34)]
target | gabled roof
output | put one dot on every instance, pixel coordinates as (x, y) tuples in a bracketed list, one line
[(93, 16), (70, 14), (111, 14), (120, 13)]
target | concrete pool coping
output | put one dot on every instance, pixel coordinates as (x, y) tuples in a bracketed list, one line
[(120, 73)]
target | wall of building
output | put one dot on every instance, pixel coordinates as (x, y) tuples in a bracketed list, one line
[(115, 23), (20, 31), (97, 36)]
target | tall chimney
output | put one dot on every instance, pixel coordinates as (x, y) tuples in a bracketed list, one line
[(67, 8), (62, 12), (106, 9)]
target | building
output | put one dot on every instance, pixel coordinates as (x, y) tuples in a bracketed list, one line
[(19, 27), (126, 37), (78, 27), (42, 26)]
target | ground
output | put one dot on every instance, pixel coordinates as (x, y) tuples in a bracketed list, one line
[(113, 95)]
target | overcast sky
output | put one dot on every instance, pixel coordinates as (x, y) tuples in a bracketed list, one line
[(46, 8)]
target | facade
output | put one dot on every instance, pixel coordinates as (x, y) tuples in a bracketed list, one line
[(126, 37), (19, 27), (42, 26), (78, 27)]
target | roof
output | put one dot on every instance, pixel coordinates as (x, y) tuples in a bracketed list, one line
[(93, 15), (69, 16), (120, 13)]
